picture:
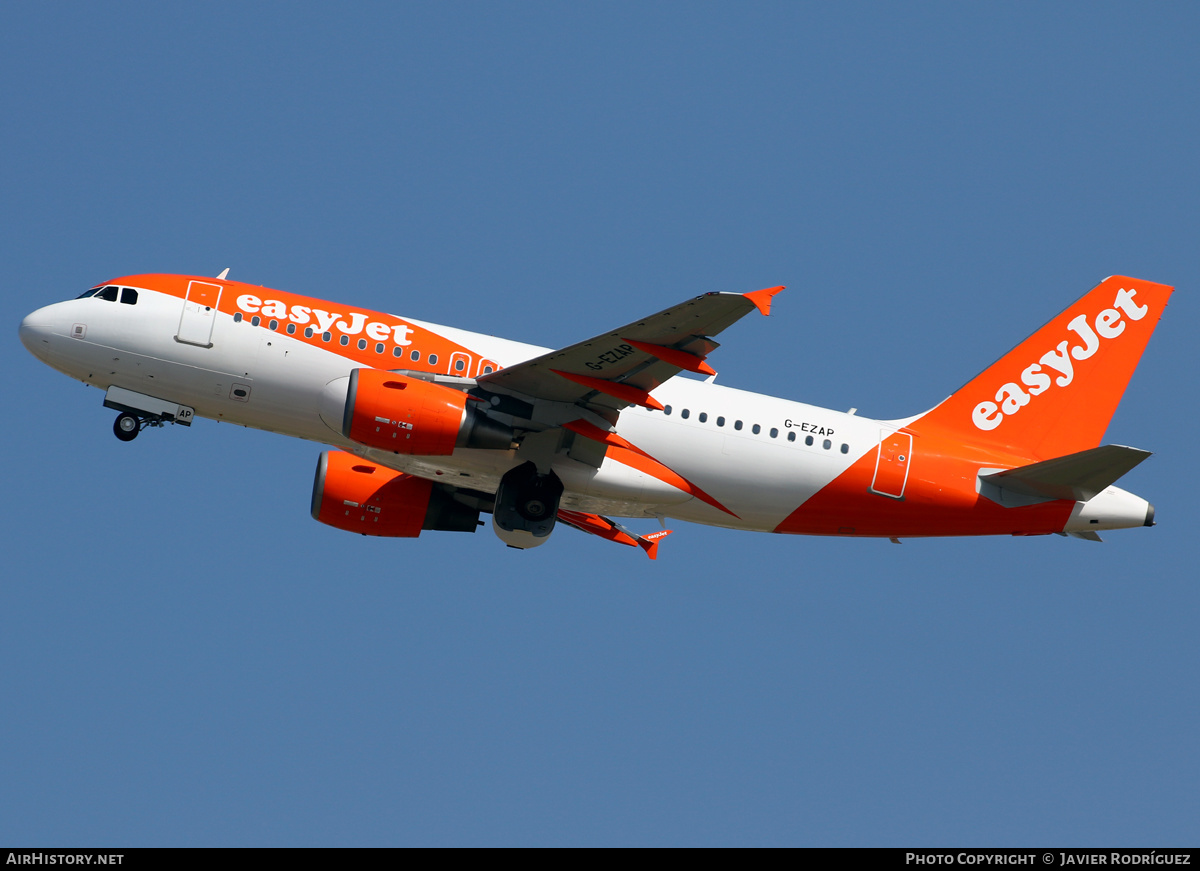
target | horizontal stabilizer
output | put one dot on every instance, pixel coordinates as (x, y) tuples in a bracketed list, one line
[(1077, 477)]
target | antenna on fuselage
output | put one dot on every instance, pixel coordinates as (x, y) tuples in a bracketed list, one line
[(224, 273)]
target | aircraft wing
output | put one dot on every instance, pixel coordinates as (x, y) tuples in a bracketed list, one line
[(622, 367)]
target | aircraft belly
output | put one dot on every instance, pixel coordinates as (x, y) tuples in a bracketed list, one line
[(613, 489)]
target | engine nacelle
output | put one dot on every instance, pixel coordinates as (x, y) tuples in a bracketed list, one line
[(405, 415), (352, 494)]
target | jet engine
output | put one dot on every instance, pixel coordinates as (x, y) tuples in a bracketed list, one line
[(352, 494), (404, 415)]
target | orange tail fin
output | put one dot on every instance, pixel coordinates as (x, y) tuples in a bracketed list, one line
[(1055, 393)]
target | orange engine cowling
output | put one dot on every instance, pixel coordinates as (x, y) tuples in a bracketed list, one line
[(352, 494), (405, 415)]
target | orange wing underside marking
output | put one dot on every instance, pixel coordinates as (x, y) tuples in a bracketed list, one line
[(625, 392), (628, 454), (674, 356)]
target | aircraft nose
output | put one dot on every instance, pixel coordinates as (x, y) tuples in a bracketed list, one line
[(35, 330)]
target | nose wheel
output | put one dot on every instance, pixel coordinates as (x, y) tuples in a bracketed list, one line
[(127, 426)]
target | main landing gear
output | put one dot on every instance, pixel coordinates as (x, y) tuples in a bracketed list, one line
[(526, 506)]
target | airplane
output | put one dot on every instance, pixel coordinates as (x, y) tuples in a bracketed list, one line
[(431, 426)]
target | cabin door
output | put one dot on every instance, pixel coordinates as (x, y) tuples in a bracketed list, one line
[(199, 314)]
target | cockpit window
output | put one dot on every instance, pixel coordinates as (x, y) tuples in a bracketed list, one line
[(128, 296), (88, 293), (109, 293)]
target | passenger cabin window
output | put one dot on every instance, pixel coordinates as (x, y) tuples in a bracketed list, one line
[(756, 429), (737, 424), (291, 329), (808, 440), (433, 359), (414, 356), (720, 421), (703, 416), (791, 437), (685, 414), (667, 410), (237, 317)]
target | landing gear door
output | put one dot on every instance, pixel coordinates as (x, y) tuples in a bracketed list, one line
[(891, 464), (199, 314)]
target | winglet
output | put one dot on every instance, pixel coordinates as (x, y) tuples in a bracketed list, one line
[(649, 543), (762, 298)]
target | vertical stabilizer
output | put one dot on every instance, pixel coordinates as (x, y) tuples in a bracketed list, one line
[(1055, 393)]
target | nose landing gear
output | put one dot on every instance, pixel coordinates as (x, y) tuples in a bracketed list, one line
[(138, 411), (127, 425)]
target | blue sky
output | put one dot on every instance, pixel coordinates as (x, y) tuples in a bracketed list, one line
[(188, 658)]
